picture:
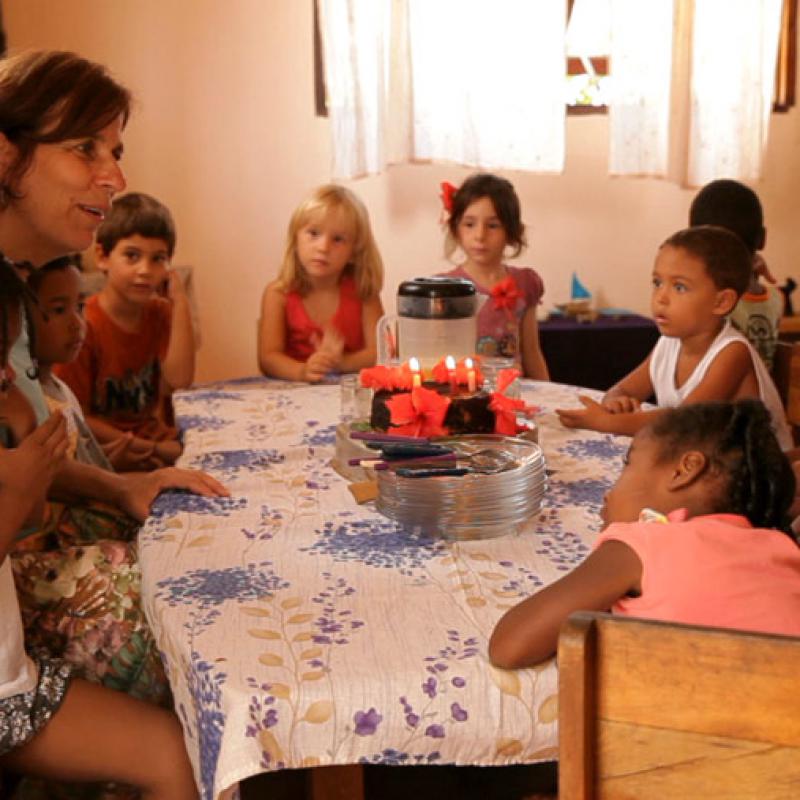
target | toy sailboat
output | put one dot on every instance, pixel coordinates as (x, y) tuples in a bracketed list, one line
[(579, 291), (580, 303)]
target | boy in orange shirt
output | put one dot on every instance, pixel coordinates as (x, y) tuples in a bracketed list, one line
[(139, 345)]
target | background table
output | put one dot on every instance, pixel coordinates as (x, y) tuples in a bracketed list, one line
[(595, 354), (299, 629)]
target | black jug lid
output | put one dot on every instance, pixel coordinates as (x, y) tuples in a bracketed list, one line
[(436, 286)]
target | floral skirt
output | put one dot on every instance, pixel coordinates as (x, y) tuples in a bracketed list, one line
[(79, 585), (79, 589)]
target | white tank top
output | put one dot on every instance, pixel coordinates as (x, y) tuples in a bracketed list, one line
[(664, 360), (17, 671)]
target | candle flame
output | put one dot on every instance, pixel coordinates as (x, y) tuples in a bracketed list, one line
[(413, 364), (450, 362), (468, 363)]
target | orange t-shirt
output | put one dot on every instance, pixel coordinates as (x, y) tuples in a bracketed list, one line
[(117, 374), (303, 334), (715, 570)]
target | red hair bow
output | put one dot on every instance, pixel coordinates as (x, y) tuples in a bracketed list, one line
[(418, 413), (448, 190), (505, 294)]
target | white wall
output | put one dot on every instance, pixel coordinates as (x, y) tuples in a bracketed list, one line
[(224, 132)]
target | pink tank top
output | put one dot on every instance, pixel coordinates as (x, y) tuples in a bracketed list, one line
[(303, 334)]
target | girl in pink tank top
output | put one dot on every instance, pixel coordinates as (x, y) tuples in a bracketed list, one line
[(696, 533), (319, 315)]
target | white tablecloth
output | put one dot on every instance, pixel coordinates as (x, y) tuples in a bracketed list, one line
[(300, 629)]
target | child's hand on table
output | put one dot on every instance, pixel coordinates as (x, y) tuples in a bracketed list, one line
[(138, 491), (622, 404), (593, 415), (319, 364)]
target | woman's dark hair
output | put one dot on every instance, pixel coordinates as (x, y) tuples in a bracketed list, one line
[(52, 96), (728, 262), (505, 202), (14, 293), (757, 480), (136, 214), (732, 206)]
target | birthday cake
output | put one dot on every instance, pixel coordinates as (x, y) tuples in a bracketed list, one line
[(451, 401), (400, 403), (465, 412)]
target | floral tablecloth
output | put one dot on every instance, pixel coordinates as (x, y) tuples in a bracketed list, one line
[(300, 629)]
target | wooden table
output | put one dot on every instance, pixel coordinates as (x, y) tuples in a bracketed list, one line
[(301, 630)]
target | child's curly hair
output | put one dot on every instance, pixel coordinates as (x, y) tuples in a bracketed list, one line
[(756, 478)]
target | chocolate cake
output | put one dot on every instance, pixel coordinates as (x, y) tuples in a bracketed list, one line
[(468, 412)]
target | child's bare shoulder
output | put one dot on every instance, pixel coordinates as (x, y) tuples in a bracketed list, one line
[(275, 291)]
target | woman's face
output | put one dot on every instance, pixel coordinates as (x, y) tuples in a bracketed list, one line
[(65, 194)]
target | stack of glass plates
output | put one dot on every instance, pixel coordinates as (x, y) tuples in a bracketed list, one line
[(506, 487)]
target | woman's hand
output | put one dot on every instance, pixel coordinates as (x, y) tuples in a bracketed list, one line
[(138, 492)]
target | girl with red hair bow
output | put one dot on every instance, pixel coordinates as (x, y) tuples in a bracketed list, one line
[(483, 219)]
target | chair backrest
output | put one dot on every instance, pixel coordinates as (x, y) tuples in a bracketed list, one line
[(786, 375), (657, 710)]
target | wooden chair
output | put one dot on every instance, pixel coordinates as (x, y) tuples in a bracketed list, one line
[(657, 710), (786, 375)]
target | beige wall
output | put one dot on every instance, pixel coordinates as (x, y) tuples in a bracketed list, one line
[(225, 134)]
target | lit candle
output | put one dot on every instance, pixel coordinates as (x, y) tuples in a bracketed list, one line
[(416, 377), (468, 363), (450, 363)]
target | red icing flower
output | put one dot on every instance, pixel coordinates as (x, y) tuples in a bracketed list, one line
[(440, 372), (505, 414), (419, 412), (505, 294), (388, 378), (505, 378), (446, 195)]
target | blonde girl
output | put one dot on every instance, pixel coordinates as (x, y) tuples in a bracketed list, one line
[(319, 315)]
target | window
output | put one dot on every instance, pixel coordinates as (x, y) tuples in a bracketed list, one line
[(588, 73)]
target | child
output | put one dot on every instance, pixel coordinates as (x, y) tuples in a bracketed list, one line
[(736, 207), (484, 219), (690, 536), (698, 276), (139, 346), (50, 723), (59, 332), (320, 314)]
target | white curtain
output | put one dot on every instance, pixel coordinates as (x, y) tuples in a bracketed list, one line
[(489, 82), (356, 35), (734, 52), (694, 104), (457, 80), (640, 50)]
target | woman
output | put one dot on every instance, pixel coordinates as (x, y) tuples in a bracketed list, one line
[(61, 125)]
